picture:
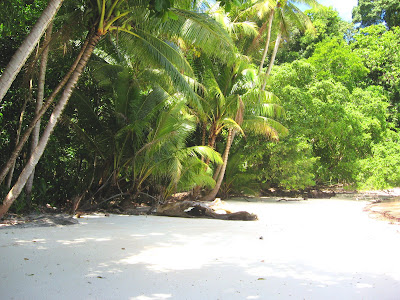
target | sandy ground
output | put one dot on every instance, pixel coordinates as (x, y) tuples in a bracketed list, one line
[(316, 249)]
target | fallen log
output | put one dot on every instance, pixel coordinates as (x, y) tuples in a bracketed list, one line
[(196, 209)]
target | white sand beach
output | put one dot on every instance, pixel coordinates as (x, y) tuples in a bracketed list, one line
[(315, 249)]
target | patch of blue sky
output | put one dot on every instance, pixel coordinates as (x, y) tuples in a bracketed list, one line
[(344, 7)]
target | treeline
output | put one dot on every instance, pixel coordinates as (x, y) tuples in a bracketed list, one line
[(157, 97)]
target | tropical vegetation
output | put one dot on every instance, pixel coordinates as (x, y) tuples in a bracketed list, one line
[(123, 102)]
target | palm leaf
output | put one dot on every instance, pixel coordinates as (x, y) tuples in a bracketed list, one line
[(90, 143), (231, 124), (265, 126), (147, 50), (201, 31), (257, 96), (204, 151), (297, 17)]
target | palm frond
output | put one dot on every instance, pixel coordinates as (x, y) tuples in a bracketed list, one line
[(89, 142), (168, 50), (201, 31), (206, 152), (269, 110), (85, 110), (126, 91), (104, 73), (231, 124), (256, 96), (145, 49), (297, 17), (245, 28), (261, 8), (265, 126), (150, 104)]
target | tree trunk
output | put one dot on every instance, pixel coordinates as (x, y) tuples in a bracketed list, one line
[(211, 140), (216, 172), (21, 120), (271, 18), (26, 172), (271, 63), (192, 209), (30, 42), (39, 102), (214, 192), (37, 117), (197, 188)]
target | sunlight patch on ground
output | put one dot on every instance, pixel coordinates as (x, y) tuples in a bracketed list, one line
[(83, 240), (170, 257), (153, 297)]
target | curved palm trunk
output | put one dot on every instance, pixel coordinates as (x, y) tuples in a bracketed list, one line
[(271, 63), (30, 42), (271, 18), (39, 102), (216, 173), (214, 192), (26, 172), (37, 117)]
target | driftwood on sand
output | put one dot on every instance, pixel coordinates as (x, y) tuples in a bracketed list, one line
[(197, 209)]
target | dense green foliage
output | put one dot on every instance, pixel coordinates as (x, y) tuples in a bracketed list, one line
[(369, 12), (176, 82)]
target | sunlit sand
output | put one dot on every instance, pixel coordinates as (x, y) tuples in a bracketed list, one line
[(315, 249)]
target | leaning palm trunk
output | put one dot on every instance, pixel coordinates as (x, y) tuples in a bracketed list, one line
[(38, 116), (215, 190), (271, 63), (231, 135), (39, 102), (34, 159), (271, 18), (217, 171), (30, 42)]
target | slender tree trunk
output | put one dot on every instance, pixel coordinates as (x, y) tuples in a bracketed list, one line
[(37, 117), (214, 192), (216, 173), (21, 120), (271, 18), (197, 188), (203, 134), (39, 102), (26, 172), (30, 42), (271, 63), (256, 40), (220, 172)]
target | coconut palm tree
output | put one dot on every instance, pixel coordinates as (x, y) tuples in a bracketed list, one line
[(232, 102), (126, 19), (142, 140), (285, 15)]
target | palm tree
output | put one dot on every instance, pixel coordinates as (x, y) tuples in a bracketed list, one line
[(286, 15), (233, 102), (139, 30), (30, 42), (126, 19), (144, 138)]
